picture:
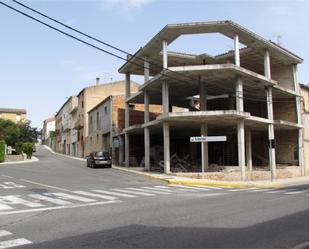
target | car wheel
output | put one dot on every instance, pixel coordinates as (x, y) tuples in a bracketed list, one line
[(92, 165)]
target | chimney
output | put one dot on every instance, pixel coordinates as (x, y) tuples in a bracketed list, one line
[(97, 81)]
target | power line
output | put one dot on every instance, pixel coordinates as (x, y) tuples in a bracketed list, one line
[(104, 43)]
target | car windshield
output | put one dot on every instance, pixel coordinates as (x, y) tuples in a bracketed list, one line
[(102, 153)]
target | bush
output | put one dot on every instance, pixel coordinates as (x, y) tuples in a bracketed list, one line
[(2, 150), (28, 149)]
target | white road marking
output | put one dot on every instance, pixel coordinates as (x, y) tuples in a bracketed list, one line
[(161, 189), (132, 192), (149, 191), (15, 199), (14, 185), (7, 176), (5, 207), (204, 186), (49, 199), (275, 192), (295, 192), (4, 233), (58, 207), (113, 193), (66, 196), (14, 243), (188, 187), (175, 190), (5, 187), (241, 189), (107, 197), (45, 185), (260, 190)]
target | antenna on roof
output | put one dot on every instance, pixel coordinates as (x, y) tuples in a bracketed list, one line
[(278, 39)]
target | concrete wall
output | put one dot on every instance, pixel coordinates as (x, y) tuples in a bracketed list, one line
[(285, 111), (286, 147), (305, 119), (284, 76)]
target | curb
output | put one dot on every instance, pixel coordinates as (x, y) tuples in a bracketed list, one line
[(67, 156), (208, 183), (32, 160)]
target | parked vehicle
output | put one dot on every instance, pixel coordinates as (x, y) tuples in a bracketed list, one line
[(99, 158)]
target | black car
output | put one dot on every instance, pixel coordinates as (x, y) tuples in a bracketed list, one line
[(99, 158)]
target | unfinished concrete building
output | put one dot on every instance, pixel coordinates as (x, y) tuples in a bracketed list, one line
[(249, 94)]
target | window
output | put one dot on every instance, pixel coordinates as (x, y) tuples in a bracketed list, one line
[(91, 125), (98, 120), (105, 109), (82, 104), (97, 139), (18, 117), (90, 140)]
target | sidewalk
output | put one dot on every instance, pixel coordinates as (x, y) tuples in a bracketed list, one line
[(192, 181), (235, 184), (32, 160)]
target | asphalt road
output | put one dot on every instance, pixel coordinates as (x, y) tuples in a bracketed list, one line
[(60, 203)]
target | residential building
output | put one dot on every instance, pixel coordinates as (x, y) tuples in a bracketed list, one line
[(87, 99), (64, 124), (48, 126), (15, 115), (107, 121), (304, 89), (248, 95)]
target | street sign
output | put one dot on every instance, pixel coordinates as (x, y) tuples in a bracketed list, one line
[(207, 139)]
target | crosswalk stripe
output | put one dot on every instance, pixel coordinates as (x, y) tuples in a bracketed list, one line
[(160, 189), (207, 187), (175, 190), (132, 192), (14, 242), (113, 193), (4, 207), (14, 185), (295, 192), (149, 191), (50, 199), (188, 187), (66, 196), (4, 233), (107, 197), (15, 199)]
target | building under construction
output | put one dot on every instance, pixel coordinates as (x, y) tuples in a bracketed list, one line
[(250, 95)]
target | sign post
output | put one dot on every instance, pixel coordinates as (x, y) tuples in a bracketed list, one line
[(206, 139)]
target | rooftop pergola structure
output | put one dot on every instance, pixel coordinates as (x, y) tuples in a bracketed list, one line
[(171, 78)]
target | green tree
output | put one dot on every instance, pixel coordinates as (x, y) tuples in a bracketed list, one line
[(2, 150), (28, 149)]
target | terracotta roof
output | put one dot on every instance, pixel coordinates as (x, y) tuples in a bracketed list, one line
[(13, 110)]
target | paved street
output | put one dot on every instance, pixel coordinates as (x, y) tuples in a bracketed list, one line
[(60, 203)]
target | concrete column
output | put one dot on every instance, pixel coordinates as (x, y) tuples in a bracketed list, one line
[(249, 149), (239, 95), (270, 116), (165, 97), (166, 147), (127, 121), (146, 69), (299, 121), (127, 149), (236, 48), (146, 132), (121, 150), (240, 126), (241, 147), (165, 58), (205, 160), (204, 130)]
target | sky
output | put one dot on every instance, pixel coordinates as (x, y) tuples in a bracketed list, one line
[(40, 68)]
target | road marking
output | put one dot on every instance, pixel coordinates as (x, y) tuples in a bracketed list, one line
[(275, 191), (49, 199), (149, 191), (14, 242), (113, 193), (59, 207), (241, 189), (209, 187), (15, 199), (4, 233), (14, 185), (260, 190), (96, 195), (175, 190), (66, 196), (160, 189), (5, 207), (295, 192), (45, 185), (132, 192), (188, 187), (7, 176)]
